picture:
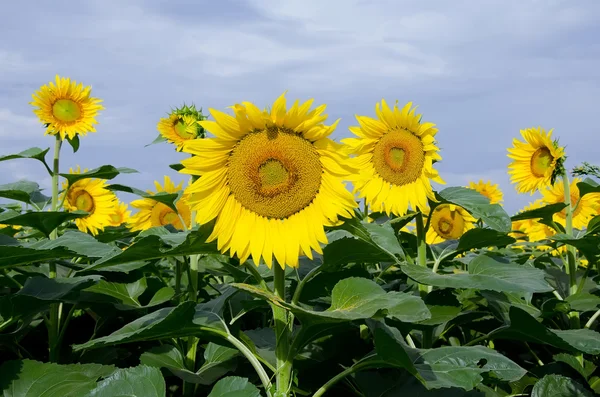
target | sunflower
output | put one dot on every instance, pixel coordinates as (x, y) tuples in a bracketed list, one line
[(89, 195), (272, 180), (120, 214), (395, 155), (66, 108), (536, 160), (492, 192), (153, 213), (584, 207), (448, 222), (181, 125)]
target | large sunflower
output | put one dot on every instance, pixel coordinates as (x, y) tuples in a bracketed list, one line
[(67, 108), (395, 155), (584, 208), (535, 161), (90, 195), (120, 214), (492, 192), (448, 222), (271, 179), (153, 213)]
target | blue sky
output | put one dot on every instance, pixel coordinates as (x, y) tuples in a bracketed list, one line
[(480, 70)]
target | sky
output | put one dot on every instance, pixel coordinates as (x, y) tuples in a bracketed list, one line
[(479, 70)]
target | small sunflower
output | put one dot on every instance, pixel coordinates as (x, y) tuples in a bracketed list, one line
[(89, 195), (448, 222), (492, 192), (67, 108), (395, 155), (536, 161), (181, 125), (272, 180), (153, 213), (584, 208), (120, 215)]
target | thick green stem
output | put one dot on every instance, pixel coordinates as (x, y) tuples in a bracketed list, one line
[(592, 319), (311, 274), (282, 336), (421, 249), (571, 252), (54, 323)]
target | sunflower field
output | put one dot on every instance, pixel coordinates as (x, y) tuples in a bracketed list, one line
[(285, 263)]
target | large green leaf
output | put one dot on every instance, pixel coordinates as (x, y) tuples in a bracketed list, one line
[(24, 191), (479, 206), (485, 272), (588, 245), (355, 298), (12, 256), (545, 212), (480, 238), (27, 378), (44, 221), (559, 386), (124, 296), (56, 289), (102, 172), (156, 247), (31, 153), (449, 366), (584, 302), (168, 199), (234, 386), (588, 186), (183, 320), (142, 381)]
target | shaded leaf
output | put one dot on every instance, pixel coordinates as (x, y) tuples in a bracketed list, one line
[(74, 142), (544, 212), (142, 381), (44, 221), (31, 153), (234, 386), (102, 172), (167, 199), (584, 302), (559, 386), (588, 186), (24, 191), (480, 238)]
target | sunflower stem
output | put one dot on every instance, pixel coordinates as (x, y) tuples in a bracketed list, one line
[(282, 336), (54, 323), (571, 253), (421, 249)]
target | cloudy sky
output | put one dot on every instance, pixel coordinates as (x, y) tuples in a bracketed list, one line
[(480, 70)]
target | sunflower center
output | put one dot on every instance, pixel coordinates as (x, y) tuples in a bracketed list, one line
[(446, 223), (168, 217), (398, 157), (541, 161), (180, 129), (116, 218), (84, 201), (66, 110), (274, 173)]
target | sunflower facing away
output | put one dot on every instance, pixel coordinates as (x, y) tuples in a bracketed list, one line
[(181, 125), (492, 192), (120, 215), (448, 222), (584, 208), (271, 179), (153, 213), (395, 155), (67, 108), (536, 160), (90, 195)]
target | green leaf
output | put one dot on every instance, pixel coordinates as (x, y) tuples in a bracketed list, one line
[(27, 378), (545, 212), (450, 366), (56, 289), (158, 139), (174, 322), (588, 244), (24, 191), (574, 363), (157, 247), (13, 256), (102, 172), (177, 166), (234, 386), (584, 302), (479, 206), (559, 386), (44, 221), (480, 238), (125, 296), (142, 381), (588, 186), (485, 272), (167, 199), (501, 302), (355, 298), (593, 225), (31, 153), (74, 142)]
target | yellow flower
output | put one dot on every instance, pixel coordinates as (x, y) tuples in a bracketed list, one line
[(535, 160), (395, 155), (584, 208), (120, 215), (179, 128), (272, 180), (492, 192), (67, 108), (153, 213), (89, 195), (448, 222)]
